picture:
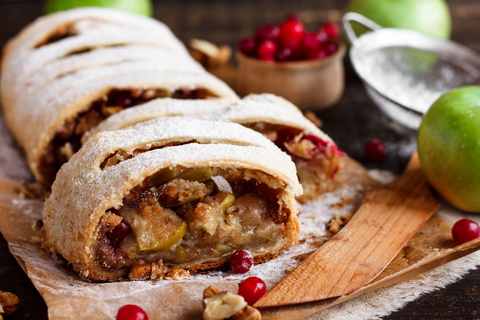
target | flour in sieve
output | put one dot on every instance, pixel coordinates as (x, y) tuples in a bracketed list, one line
[(411, 77)]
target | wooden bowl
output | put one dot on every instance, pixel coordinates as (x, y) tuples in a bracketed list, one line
[(310, 84)]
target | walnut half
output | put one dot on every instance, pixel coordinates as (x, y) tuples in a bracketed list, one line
[(247, 313), (225, 305), (8, 303), (208, 54)]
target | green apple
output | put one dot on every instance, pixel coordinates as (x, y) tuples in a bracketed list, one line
[(428, 16), (449, 147), (143, 7)]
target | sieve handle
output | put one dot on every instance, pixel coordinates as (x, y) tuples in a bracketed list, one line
[(358, 18)]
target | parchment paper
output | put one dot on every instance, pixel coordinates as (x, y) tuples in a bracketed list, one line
[(67, 297)]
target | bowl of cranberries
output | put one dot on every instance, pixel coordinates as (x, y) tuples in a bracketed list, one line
[(305, 67)]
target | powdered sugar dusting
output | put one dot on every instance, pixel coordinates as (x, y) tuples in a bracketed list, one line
[(270, 109), (382, 176), (266, 108), (162, 107)]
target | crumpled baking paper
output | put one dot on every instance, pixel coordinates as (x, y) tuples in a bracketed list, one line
[(68, 297)]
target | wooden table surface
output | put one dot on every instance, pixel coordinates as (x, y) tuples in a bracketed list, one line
[(352, 122)]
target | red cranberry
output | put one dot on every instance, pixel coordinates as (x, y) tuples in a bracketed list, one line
[(268, 32), (120, 232), (317, 54), (332, 30), (465, 230), (291, 33), (283, 54), (131, 312), (375, 150), (317, 141), (330, 48), (252, 289), (266, 49), (322, 35), (247, 46), (322, 145), (311, 42), (241, 261), (297, 52)]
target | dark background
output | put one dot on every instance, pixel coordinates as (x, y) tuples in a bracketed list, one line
[(352, 122)]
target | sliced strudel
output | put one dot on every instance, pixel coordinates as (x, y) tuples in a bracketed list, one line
[(67, 72), (176, 196), (315, 154)]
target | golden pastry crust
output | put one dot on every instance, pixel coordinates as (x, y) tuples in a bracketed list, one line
[(269, 109), (84, 192), (158, 108), (254, 108), (62, 63), (265, 113), (315, 154)]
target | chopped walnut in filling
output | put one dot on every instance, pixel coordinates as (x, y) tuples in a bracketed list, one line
[(67, 140), (180, 215)]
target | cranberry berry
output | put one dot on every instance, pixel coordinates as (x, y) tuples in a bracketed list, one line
[(317, 54), (465, 230), (131, 312), (375, 150), (266, 50), (247, 46), (119, 232), (241, 261), (290, 42), (252, 289), (322, 35), (291, 33), (330, 48), (283, 54), (311, 42), (268, 32), (332, 30)]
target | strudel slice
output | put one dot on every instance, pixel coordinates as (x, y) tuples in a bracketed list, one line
[(176, 196), (315, 154), (67, 72)]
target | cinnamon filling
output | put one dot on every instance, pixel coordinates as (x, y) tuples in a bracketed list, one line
[(180, 216), (67, 140)]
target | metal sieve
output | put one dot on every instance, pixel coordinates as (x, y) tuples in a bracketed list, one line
[(405, 71)]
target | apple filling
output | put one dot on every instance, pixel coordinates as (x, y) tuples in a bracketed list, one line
[(317, 160), (67, 140), (182, 216)]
